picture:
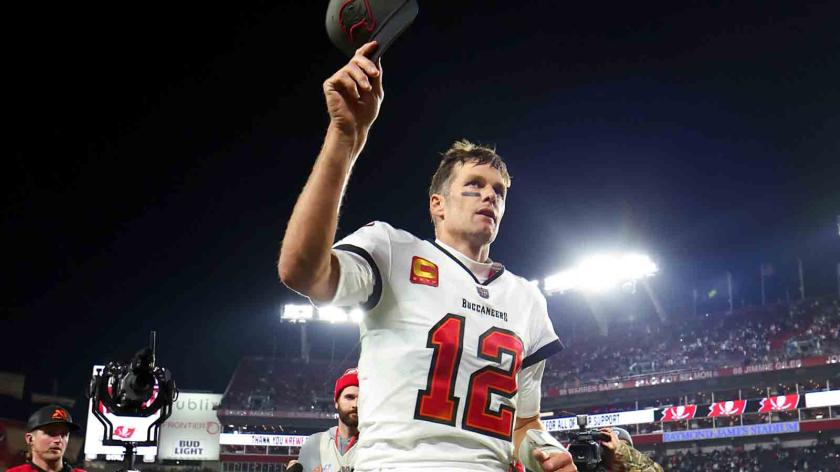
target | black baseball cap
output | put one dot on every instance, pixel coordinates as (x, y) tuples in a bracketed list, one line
[(51, 414), (352, 23)]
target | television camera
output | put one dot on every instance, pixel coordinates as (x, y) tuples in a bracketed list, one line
[(585, 446), (138, 388)]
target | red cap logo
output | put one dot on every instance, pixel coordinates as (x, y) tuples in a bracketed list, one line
[(60, 415), (355, 14)]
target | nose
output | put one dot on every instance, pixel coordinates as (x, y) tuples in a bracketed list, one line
[(490, 196)]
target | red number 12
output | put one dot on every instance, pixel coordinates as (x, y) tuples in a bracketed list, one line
[(437, 402)]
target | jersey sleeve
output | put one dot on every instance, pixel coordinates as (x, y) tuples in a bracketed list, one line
[(529, 383), (543, 341), (365, 260), (355, 280), (310, 453)]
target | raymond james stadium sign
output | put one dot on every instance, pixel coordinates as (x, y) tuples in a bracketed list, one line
[(732, 432)]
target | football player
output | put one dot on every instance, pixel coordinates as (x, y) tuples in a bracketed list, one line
[(453, 345)]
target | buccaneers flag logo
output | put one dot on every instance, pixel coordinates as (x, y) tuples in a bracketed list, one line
[(679, 413), (423, 272), (779, 403), (730, 408), (123, 432), (60, 415)]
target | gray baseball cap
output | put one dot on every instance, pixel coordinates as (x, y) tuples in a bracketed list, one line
[(352, 23)]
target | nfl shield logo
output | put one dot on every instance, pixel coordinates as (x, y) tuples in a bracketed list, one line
[(482, 291)]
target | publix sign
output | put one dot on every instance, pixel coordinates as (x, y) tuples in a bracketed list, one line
[(192, 432)]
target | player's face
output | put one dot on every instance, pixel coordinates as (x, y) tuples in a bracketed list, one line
[(49, 442), (474, 208), (346, 406)]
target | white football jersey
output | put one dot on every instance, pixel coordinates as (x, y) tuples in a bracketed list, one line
[(445, 360), (321, 453)]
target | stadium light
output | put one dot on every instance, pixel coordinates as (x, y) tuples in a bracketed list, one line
[(294, 313), (332, 314), (356, 315), (600, 273), (297, 313), (560, 282)]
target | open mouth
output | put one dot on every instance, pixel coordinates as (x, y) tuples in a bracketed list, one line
[(488, 213)]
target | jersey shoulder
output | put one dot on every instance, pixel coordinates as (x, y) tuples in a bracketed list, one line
[(379, 232), (20, 468), (313, 440), (396, 235), (529, 288)]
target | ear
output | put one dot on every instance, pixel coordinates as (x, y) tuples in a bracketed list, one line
[(436, 203), (28, 438)]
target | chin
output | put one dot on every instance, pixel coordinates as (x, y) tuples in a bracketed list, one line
[(485, 232), (488, 236)]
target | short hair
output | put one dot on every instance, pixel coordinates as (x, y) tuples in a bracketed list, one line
[(463, 151)]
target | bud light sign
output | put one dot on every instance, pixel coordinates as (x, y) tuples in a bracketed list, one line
[(189, 448), (192, 432)]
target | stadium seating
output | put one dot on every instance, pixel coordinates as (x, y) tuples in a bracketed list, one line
[(266, 384), (744, 337), (641, 346), (823, 457)]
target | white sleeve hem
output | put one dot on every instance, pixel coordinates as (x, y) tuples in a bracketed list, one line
[(355, 280)]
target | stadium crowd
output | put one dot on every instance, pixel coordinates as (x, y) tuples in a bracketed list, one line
[(301, 387), (716, 340), (743, 337), (823, 457)]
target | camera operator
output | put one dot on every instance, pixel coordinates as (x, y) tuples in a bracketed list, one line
[(48, 432), (621, 456)]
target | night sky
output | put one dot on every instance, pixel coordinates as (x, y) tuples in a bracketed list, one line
[(158, 149)]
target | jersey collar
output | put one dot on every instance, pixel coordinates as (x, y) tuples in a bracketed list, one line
[(65, 467), (495, 275)]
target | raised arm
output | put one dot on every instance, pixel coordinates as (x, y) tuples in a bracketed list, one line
[(353, 96)]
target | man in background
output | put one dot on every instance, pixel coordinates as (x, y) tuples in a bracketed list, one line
[(48, 432), (332, 450)]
